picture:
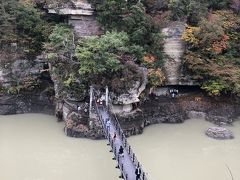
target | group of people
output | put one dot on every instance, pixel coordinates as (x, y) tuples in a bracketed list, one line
[(173, 92)]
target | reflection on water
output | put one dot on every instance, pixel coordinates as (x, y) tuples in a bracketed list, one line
[(34, 147)]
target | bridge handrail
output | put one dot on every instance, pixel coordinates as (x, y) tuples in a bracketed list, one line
[(124, 140), (98, 114), (121, 167), (127, 146)]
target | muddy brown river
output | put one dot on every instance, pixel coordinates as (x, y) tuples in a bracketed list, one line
[(34, 147)]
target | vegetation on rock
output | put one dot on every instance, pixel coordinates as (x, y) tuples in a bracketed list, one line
[(131, 39), (213, 52), (23, 26)]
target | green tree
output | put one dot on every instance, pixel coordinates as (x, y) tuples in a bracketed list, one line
[(218, 4), (24, 26), (101, 57), (31, 29), (131, 17), (193, 10), (110, 13), (7, 21)]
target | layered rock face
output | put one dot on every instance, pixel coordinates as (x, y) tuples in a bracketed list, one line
[(161, 108), (25, 87), (78, 123), (81, 16), (174, 48)]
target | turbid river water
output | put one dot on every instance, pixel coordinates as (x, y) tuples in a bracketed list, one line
[(34, 147)]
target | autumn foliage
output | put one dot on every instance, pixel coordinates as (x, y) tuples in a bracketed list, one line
[(212, 55)]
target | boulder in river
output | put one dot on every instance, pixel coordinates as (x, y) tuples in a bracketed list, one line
[(219, 133)]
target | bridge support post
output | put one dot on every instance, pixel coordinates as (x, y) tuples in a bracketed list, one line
[(90, 102), (106, 96)]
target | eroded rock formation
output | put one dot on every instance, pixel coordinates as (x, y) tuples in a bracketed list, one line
[(79, 14), (25, 87), (174, 48)]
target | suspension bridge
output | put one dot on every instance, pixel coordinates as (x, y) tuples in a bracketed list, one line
[(128, 162)]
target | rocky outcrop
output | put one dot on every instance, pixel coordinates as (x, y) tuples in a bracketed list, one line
[(138, 86), (26, 103), (173, 48), (163, 110), (125, 102), (132, 122), (188, 104), (25, 87), (219, 133), (78, 123), (80, 15)]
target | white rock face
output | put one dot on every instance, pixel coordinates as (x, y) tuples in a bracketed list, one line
[(121, 108), (174, 49), (80, 16), (1, 75), (133, 94), (67, 11), (83, 4)]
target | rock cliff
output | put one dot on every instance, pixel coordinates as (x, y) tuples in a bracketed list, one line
[(25, 87), (174, 48)]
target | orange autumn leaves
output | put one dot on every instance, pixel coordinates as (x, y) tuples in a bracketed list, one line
[(191, 36), (212, 54), (213, 34), (219, 46), (155, 75)]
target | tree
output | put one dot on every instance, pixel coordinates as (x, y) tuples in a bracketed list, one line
[(7, 21), (213, 52), (217, 4), (61, 47), (131, 17), (155, 5), (192, 10), (110, 13), (31, 29), (99, 56), (23, 26), (235, 5)]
